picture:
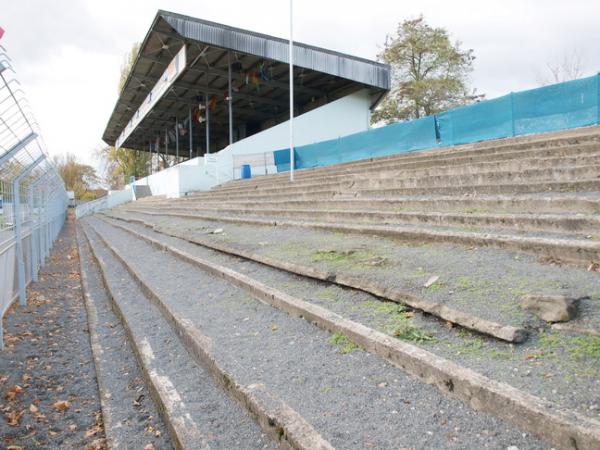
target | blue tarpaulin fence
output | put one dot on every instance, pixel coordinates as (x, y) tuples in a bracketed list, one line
[(571, 104)]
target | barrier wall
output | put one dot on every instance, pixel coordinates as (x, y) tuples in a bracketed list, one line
[(571, 104)]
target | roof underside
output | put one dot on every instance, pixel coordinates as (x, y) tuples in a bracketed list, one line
[(259, 102)]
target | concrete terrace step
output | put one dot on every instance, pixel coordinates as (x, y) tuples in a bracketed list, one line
[(557, 223), (579, 203), (451, 189), (543, 158), (199, 415), (408, 180), (580, 252), (296, 360), (570, 139), (223, 264)]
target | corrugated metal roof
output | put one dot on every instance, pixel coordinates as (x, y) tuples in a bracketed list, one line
[(309, 57)]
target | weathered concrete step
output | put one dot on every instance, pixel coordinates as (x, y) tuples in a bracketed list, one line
[(557, 223), (568, 147), (482, 178), (313, 361), (124, 395), (406, 356), (198, 414), (541, 203), (464, 166), (574, 251), (582, 185)]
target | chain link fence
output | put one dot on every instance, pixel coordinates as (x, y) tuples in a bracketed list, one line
[(33, 199)]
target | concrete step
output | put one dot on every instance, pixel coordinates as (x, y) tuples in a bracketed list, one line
[(550, 141), (455, 164), (578, 186), (491, 176), (577, 203), (581, 252), (124, 396), (246, 271), (554, 223), (296, 358), (198, 414)]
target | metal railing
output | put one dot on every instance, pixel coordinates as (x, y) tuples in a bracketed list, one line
[(33, 199)]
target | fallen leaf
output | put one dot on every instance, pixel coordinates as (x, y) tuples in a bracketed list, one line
[(93, 431), (13, 391), (149, 447), (14, 417), (431, 281), (61, 405), (33, 408)]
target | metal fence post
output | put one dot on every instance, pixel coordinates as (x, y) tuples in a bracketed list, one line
[(18, 228)]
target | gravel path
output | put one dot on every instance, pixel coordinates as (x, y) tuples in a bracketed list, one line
[(131, 417), (207, 416), (47, 374), (354, 399)]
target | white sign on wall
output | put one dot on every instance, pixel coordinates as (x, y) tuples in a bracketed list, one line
[(172, 72)]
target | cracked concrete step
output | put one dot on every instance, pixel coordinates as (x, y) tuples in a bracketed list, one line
[(198, 414), (409, 181), (582, 185), (126, 404), (580, 252), (240, 270), (436, 157), (296, 360), (436, 168), (554, 223), (577, 203)]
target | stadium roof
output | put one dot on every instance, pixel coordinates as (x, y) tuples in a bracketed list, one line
[(259, 80)]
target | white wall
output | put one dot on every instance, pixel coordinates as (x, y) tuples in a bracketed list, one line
[(347, 115)]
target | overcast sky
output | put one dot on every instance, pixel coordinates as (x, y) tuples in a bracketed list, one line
[(68, 53)]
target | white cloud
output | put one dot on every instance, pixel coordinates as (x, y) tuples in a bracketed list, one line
[(68, 52)]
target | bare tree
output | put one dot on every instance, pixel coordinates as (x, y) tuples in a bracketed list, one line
[(569, 66)]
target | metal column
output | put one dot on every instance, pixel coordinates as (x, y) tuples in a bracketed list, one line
[(230, 98), (18, 231), (191, 131), (176, 141), (207, 126)]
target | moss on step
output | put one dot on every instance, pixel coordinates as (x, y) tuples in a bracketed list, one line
[(345, 344)]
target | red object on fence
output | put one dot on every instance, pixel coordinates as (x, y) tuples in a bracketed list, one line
[(1, 32)]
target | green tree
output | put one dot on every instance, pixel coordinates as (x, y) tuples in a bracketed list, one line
[(78, 177), (123, 163), (429, 72)]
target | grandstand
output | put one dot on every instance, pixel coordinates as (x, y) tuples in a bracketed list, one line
[(383, 299)]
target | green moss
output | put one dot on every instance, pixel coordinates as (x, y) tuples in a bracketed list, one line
[(585, 347), (327, 294), (345, 344)]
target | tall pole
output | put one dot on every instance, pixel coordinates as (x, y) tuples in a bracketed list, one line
[(190, 131), (229, 98), (207, 117), (176, 141), (291, 91)]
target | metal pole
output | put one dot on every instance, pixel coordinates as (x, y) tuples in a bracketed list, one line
[(150, 150), (190, 131), (176, 141), (18, 231), (207, 126), (230, 99), (291, 49), (166, 143)]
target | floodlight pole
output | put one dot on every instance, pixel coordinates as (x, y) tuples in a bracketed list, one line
[(291, 49)]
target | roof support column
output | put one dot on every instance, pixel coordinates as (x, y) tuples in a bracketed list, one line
[(207, 124), (191, 131), (150, 150), (176, 140), (229, 98), (166, 143)]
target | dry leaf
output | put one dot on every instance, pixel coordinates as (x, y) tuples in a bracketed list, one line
[(61, 405), (33, 408), (14, 417), (72, 427), (93, 431), (149, 447), (13, 391)]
